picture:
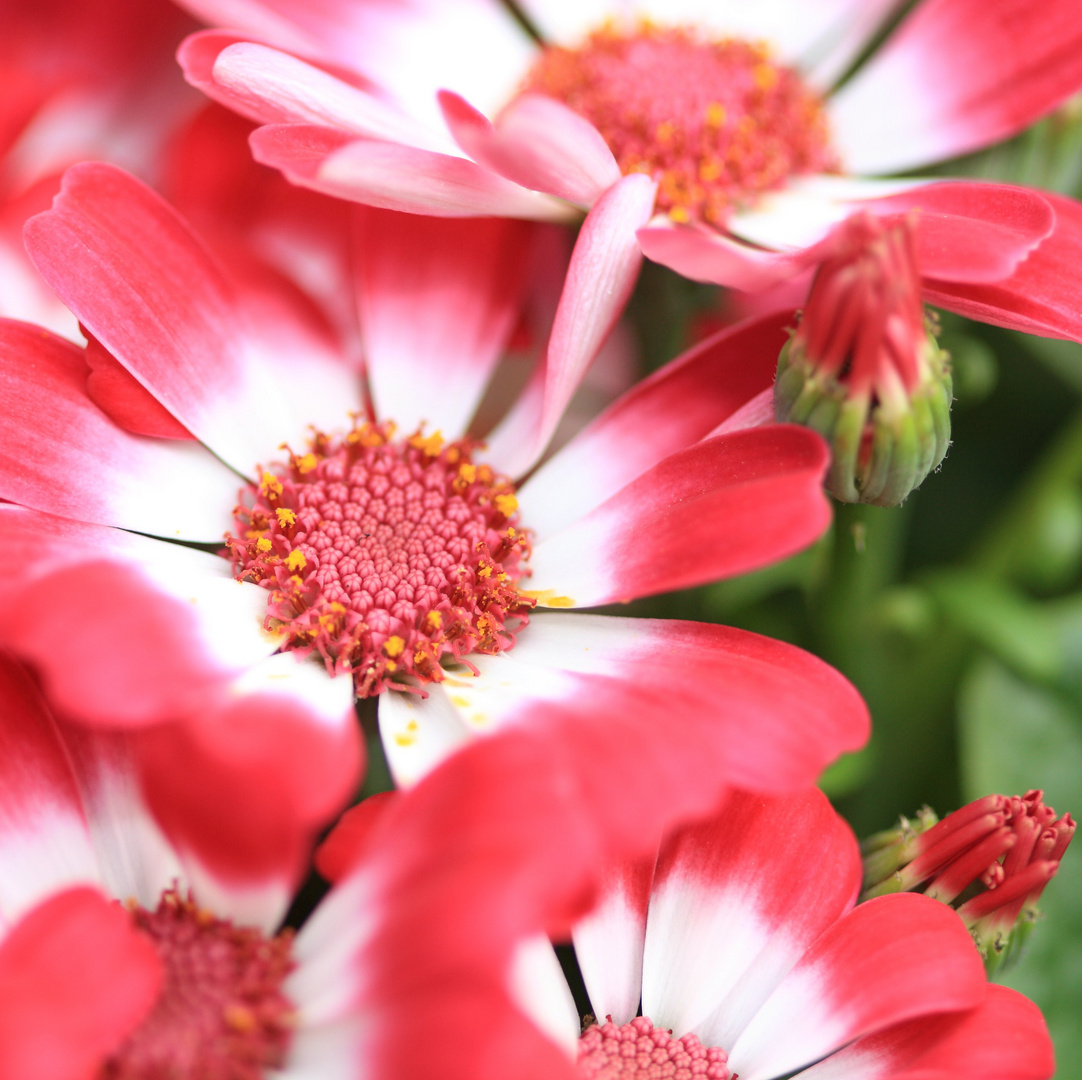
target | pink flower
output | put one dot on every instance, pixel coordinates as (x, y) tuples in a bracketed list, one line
[(394, 577), (755, 150), (750, 959)]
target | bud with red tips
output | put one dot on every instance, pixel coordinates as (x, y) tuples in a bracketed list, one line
[(990, 861), (863, 368)]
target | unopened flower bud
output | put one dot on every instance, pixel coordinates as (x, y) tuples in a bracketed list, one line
[(863, 368), (990, 861)]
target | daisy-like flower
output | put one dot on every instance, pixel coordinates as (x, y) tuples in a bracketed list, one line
[(743, 945), (404, 563), (125, 955), (735, 110)]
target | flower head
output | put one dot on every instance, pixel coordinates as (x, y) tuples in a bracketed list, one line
[(863, 368), (990, 860)]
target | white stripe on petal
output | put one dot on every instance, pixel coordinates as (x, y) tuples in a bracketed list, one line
[(418, 733), (538, 987)]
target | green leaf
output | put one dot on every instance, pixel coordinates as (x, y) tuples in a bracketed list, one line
[(1015, 736)]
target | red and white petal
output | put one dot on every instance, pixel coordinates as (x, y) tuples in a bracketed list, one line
[(892, 959), (609, 941), (724, 506), (45, 844), (971, 232), (736, 901), (241, 789), (121, 643), (604, 266), (958, 75), (1005, 1037), (704, 255), (61, 454), (76, 978), (765, 716), (1042, 296), (419, 732), (471, 46), (396, 177), (672, 409), (438, 301), (539, 989), (537, 142), (135, 860), (274, 87), (147, 289)]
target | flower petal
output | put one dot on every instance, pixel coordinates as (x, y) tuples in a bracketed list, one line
[(609, 941), (772, 715), (394, 176), (889, 960), (664, 413), (273, 87), (44, 841), (958, 75), (1042, 296), (134, 273), (604, 266), (438, 300), (1005, 1036), (539, 143), (242, 789), (736, 902), (120, 642), (59, 452), (76, 977), (724, 506), (471, 46)]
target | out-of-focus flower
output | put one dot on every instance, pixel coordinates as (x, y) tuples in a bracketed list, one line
[(990, 860), (733, 110), (744, 946), (80, 81), (864, 370), (408, 563)]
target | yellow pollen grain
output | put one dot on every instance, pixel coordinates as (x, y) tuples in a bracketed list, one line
[(680, 215), (430, 446), (484, 571), (765, 76), (285, 517), (239, 1018), (506, 504), (296, 560), (394, 646), (716, 115), (263, 545), (307, 463), (434, 619), (467, 472), (271, 486), (665, 131), (547, 598)]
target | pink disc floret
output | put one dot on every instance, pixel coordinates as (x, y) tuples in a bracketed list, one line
[(221, 1013), (385, 556), (715, 122), (640, 1051)]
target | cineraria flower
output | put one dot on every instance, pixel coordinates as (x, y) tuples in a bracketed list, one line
[(406, 563), (749, 959), (124, 956), (990, 860), (447, 107)]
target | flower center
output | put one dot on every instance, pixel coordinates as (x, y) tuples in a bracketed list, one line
[(640, 1051), (716, 123), (385, 555), (221, 1014)]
